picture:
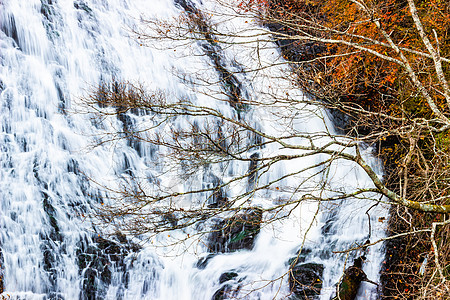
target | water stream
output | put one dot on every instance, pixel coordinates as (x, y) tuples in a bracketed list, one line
[(51, 178)]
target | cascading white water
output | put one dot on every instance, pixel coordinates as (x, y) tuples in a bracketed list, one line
[(50, 51)]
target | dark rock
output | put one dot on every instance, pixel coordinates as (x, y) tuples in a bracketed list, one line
[(227, 276), (301, 257), (294, 50), (305, 280), (353, 276), (252, 170), (73, 166), (50, 260), (61, 97), (231, 85), (90, 284), (50, 239), (50, 19), (236, 233), (82, 6), (95, 261), (54, 296), (168, 219), (55, 234), (126, 168), (227, 291), (2, 284), (222, 293), (203, 262), (47, 9), (8, 26), (219, 197), (326, 228), (187, 5)]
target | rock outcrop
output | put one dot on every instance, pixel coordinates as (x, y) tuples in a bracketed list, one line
[(2, 286), (236, 233), (305, 280), (96, 259), (349, 285), (226, 289)]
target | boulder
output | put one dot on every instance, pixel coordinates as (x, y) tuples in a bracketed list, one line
[(305, 280), (221, 294), (349, 285), (227, 289), (236, 233), (227, 276), (203, 262)]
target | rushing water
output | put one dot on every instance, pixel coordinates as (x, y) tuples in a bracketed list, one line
[(51, 179)]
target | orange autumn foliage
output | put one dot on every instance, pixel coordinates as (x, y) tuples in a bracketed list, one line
[(350, 72)]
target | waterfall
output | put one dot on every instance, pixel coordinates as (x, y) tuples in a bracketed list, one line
[(51, 53)]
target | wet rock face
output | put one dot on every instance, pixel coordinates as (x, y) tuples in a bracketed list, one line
[(203, 262), (236, 233), (348, 288), (231, 85), (252, 170), (226, 291), (227, 276), (219, 196), (2, 286), (305, 280), (301, 256), (96, 260), (353, 276), (82, 6)]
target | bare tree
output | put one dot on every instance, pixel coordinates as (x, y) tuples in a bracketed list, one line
[(314, 47)]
